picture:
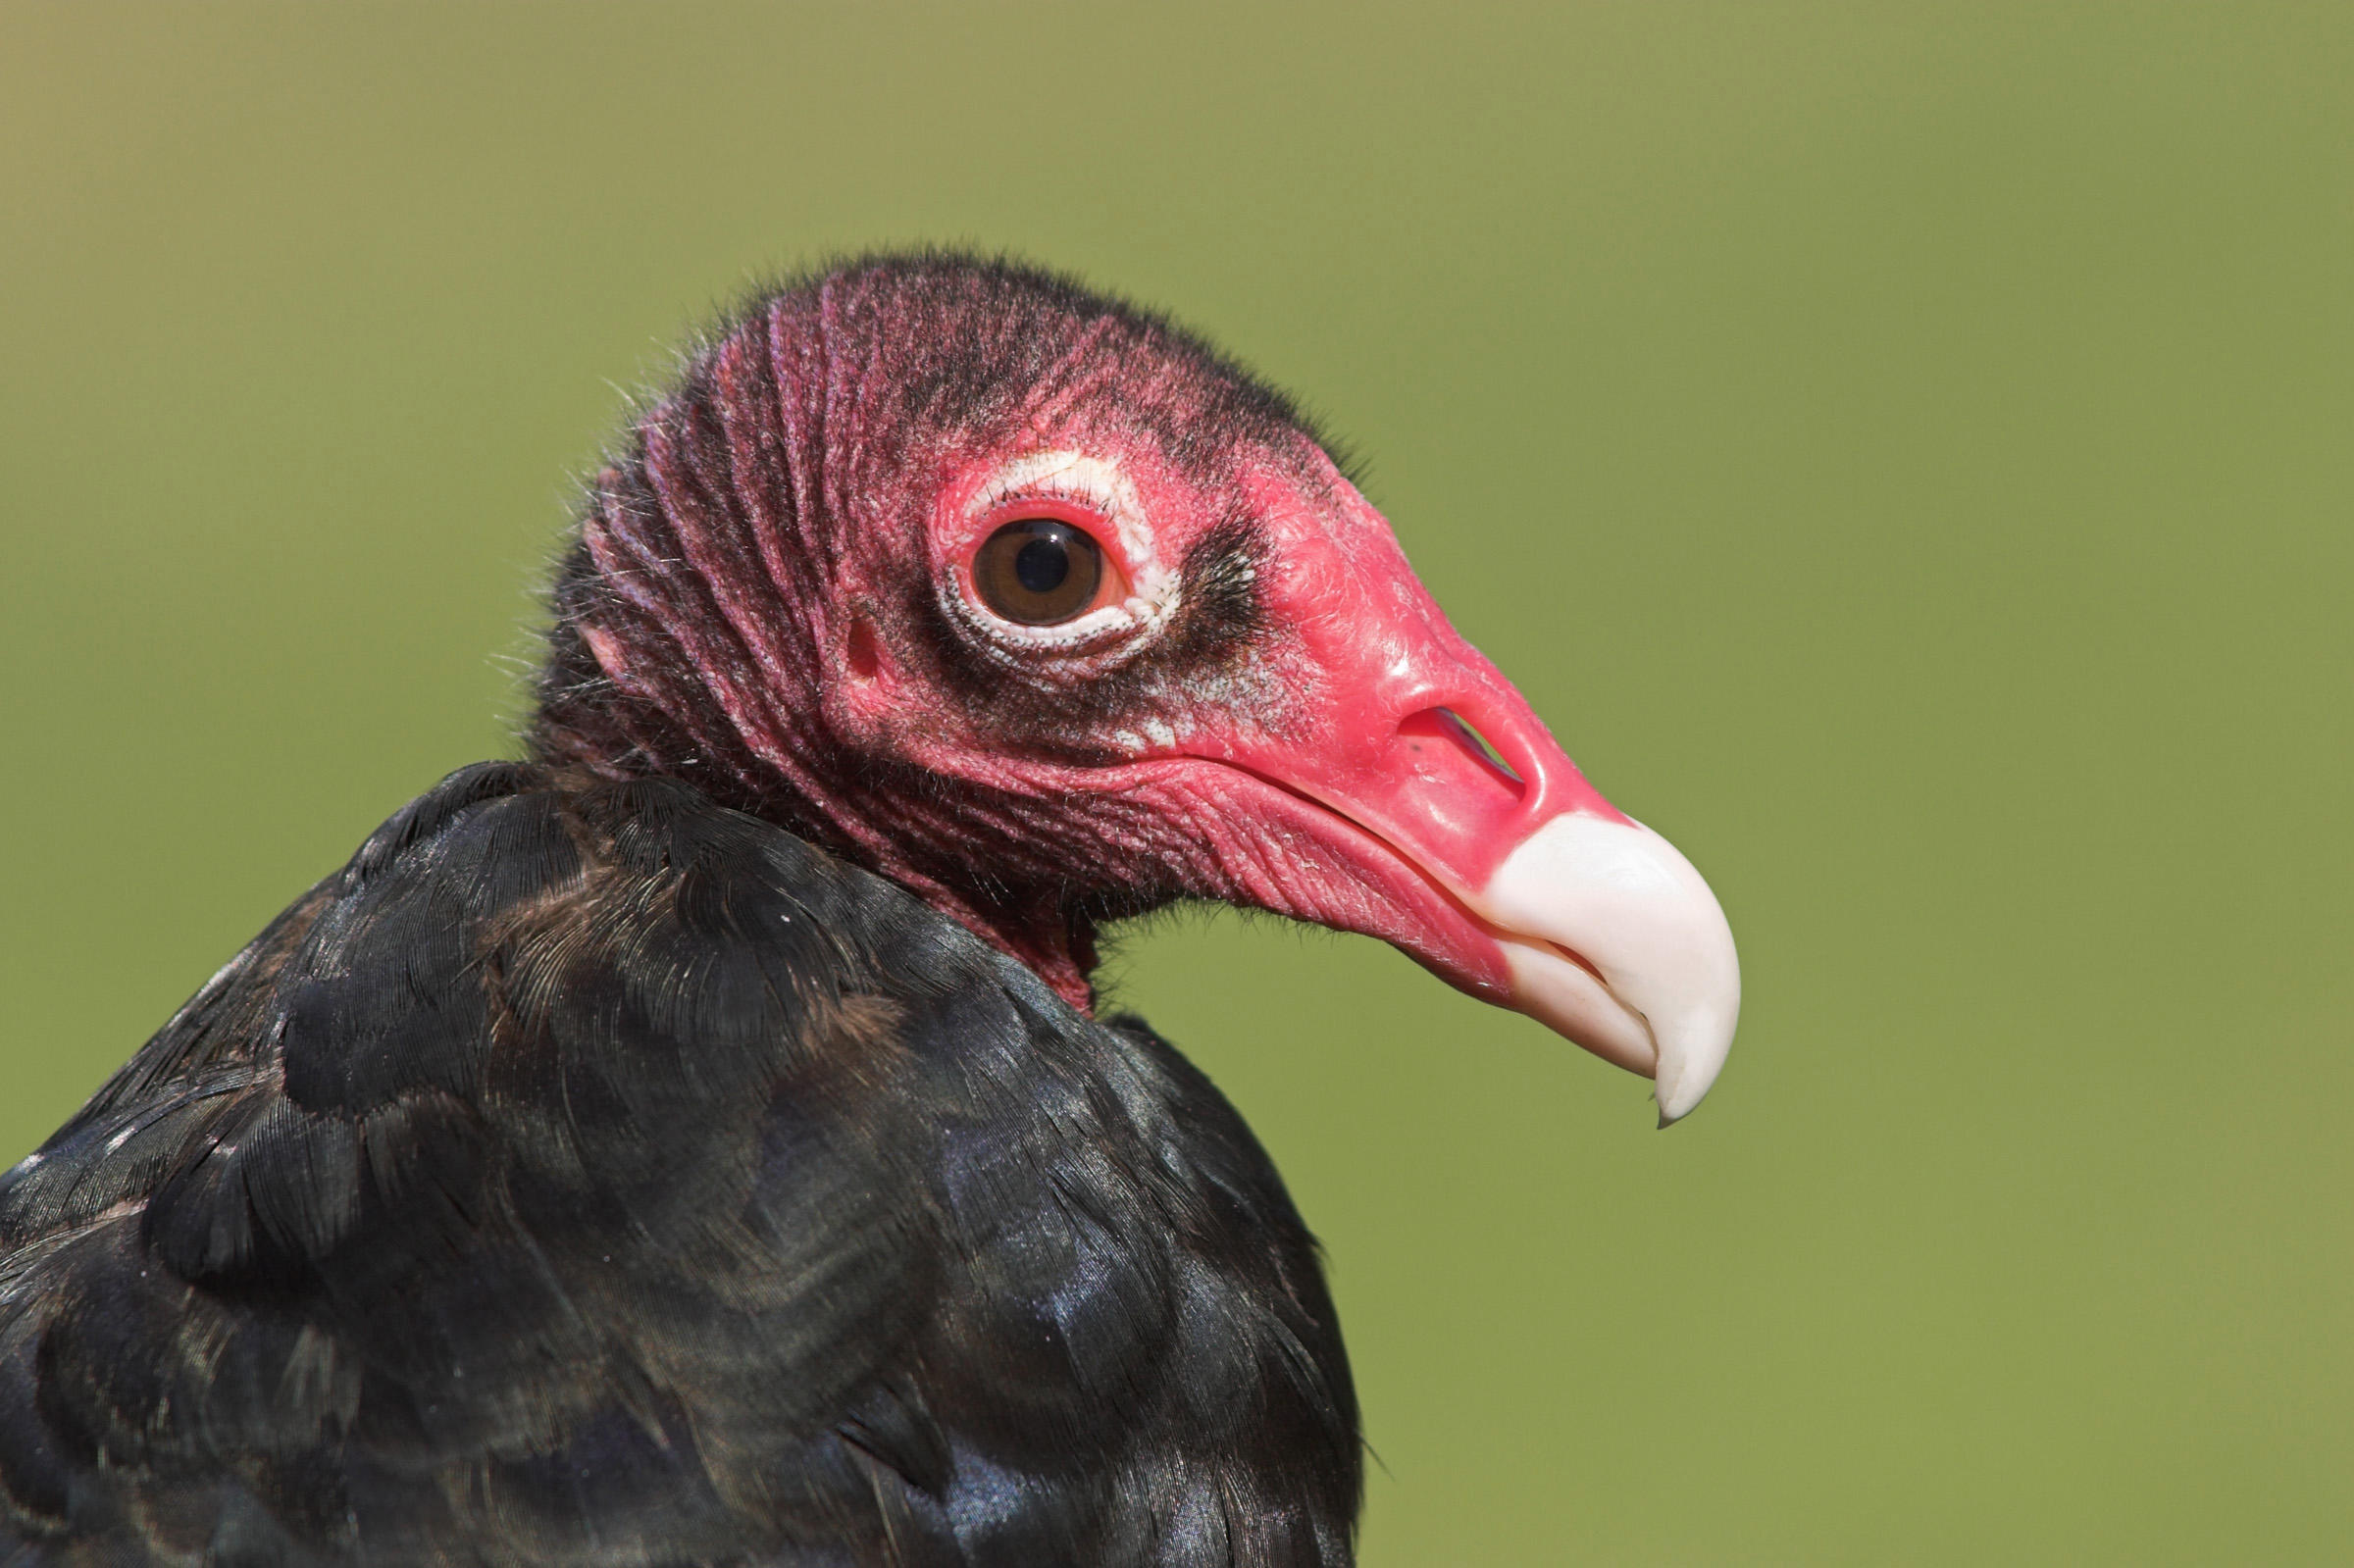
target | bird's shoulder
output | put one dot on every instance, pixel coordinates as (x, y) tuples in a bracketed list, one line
[(584, 1163), (466, 1168)]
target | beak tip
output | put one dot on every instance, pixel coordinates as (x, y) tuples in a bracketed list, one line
[(1691, 1059), (1675, 1103)]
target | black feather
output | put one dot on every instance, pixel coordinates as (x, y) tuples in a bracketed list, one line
[(587, 1174)]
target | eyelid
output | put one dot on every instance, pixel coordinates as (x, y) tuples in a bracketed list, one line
[(1020, 508)]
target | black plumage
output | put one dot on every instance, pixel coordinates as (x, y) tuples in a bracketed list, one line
[(589, 1174)]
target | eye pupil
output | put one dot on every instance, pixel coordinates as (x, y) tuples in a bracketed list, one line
[(1042, 564), (1038, 572)]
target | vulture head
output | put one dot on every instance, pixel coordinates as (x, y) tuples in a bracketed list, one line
[(1034, 603)]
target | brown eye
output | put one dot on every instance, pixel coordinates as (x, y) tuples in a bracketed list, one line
[(1039, 571)]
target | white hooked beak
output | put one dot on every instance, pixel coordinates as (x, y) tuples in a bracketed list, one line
[(1613, 939)]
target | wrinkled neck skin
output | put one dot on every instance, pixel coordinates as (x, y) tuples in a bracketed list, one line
[(1031, 924), (697, 628), (615, 737)]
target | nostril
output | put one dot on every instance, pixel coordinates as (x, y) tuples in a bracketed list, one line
[(1461, 736), (1469, 732)]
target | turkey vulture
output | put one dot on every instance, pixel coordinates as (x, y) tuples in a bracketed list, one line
[(696, 1143)]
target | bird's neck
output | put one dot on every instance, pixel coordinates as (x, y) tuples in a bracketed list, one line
[(651, 728)]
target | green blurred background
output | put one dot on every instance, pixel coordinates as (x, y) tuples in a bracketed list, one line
[(1906, 452)]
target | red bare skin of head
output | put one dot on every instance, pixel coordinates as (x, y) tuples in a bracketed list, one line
[(774, 596)]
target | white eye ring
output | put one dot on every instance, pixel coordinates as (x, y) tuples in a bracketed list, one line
[(1097, 485)]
